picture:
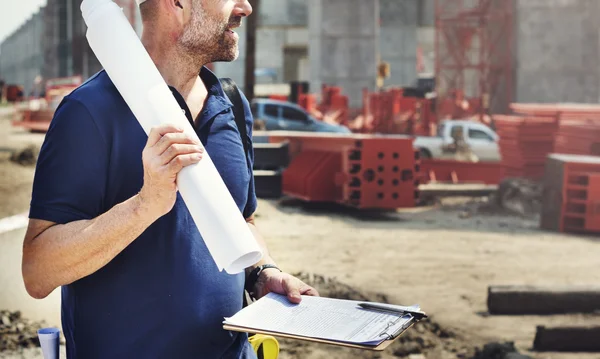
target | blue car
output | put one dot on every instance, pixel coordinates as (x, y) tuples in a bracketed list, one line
[(287, 116)]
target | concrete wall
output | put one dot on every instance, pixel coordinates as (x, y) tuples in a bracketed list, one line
[(13, 295), (282, 24), (426, 13), (398, 39), (557, 51), (344, 45), (288, 13), (21, 54), (52, 44), (426, 41)]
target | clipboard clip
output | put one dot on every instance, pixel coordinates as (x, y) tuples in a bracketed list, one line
[(394, 335), (417, 315)]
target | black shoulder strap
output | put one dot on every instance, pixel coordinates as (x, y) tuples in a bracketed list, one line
[(231, 90)]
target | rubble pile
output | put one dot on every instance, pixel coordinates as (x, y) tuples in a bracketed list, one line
[(520, 196), (26, 157), (17, 332), (499, 351)]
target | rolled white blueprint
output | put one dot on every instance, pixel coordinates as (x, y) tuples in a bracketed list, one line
[(139, 82), (49, 341)]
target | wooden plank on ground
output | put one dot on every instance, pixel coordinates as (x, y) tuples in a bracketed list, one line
[(457, 189), (543, 300)]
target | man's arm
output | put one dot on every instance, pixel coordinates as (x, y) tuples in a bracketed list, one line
[(271, 279), (266, 259), (59, 254)]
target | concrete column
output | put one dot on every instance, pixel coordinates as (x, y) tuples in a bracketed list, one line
[(343, 45), (557, 51), (398, 43)]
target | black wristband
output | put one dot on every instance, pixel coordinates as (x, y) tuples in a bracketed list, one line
[(253, 276)]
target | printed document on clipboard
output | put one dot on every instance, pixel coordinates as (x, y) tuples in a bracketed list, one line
[(326, 320)]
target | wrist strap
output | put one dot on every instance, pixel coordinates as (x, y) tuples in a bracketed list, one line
[(253, 277)]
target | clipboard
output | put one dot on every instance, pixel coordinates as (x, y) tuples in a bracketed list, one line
[(381, 347), (347, 323)]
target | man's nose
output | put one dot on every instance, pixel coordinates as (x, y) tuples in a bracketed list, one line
[(242, 8)]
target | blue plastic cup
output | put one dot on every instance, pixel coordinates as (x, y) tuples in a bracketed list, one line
[(50, 342)]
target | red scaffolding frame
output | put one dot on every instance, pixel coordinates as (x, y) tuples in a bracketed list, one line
[(474, 57)]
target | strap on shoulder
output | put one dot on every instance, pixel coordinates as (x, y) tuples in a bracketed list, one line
[(232, 91)]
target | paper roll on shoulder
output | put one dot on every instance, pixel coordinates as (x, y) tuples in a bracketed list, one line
[(128, 64)]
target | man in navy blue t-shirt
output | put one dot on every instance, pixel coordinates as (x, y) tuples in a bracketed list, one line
[(107, 223)]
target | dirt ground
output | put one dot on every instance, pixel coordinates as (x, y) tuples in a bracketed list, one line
[(442, 257)]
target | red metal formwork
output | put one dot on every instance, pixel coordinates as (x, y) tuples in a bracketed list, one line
[(308, 102), (394, 113), (361, 171), (333, 100), (578, 137), (576, 193), (578, 125), (555, 109), (525, 142)]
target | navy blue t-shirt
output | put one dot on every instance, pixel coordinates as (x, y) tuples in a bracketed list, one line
[(163, 296)]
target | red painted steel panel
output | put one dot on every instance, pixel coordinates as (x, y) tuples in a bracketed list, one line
[(362, 171)]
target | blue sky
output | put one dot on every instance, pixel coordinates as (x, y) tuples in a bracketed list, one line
[(14, 13)]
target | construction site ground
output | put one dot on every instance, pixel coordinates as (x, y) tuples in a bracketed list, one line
[(442, 257)]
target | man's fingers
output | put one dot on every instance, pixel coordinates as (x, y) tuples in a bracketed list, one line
[(308, 290), (182, 161), (170, 139), (157, 132), (177, 150), (292, 288)]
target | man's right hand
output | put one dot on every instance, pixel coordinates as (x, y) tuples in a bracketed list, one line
[(167, 151)]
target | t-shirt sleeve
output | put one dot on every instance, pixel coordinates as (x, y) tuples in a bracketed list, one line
[(252, 203), (71, 171)]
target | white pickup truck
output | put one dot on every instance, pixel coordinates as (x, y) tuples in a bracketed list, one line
[(482, 140)]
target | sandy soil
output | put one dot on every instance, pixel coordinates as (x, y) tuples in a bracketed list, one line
[(15, 179), (433, 257), (442, 257)]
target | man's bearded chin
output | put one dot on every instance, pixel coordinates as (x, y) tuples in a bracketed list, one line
[(226, 50), (217, 48)]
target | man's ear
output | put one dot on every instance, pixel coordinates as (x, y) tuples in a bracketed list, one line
[(182, 9)]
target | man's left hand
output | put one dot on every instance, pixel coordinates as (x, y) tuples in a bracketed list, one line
[(274, 281)]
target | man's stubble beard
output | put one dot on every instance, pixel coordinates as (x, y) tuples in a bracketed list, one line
[(207, 39)]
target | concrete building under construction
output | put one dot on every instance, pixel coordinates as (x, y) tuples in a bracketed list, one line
[(320, 41), (51, 44)]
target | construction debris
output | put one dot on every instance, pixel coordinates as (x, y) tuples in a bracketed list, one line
[(520, 196), (17, 332), (26, 157), (499, 351)]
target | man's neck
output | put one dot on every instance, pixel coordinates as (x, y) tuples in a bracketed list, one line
[(178, 70)]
